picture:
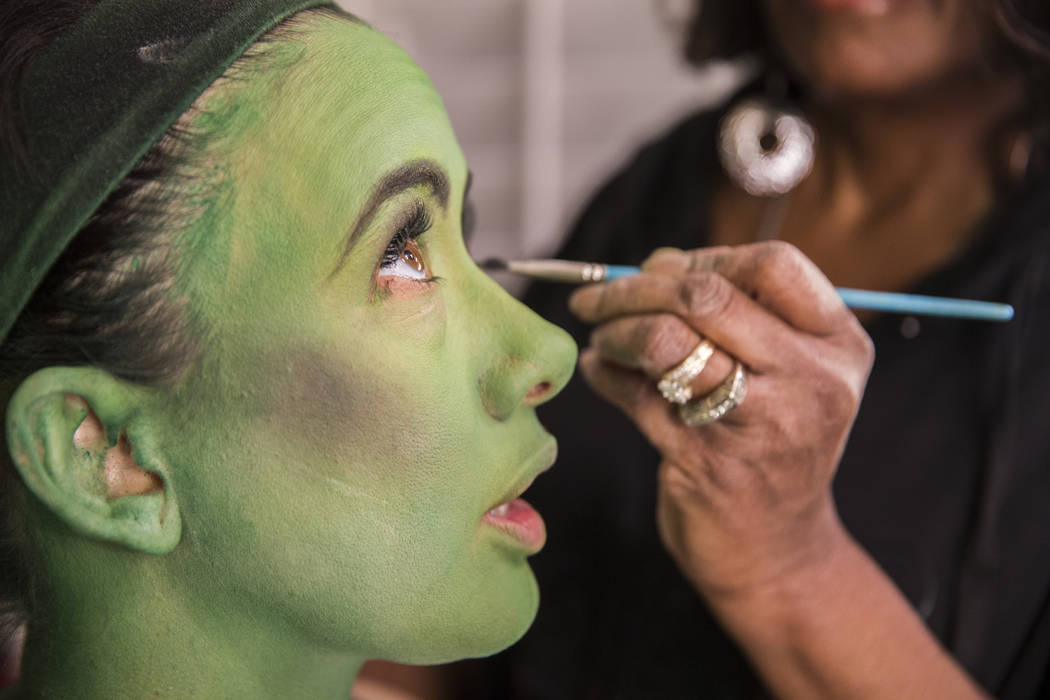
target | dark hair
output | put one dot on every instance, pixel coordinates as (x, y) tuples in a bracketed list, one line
[(727, 29), (107, 301)]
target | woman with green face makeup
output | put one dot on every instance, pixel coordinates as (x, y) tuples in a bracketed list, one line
[(265, 419)]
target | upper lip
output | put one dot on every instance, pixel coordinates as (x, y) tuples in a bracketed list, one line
[(540, 461)]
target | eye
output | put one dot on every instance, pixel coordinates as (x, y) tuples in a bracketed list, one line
[(403, 256), (408, 264)]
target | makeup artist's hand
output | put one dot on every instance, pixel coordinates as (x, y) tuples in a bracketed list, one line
[(744, 502)]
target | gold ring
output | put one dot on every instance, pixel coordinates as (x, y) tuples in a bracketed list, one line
[(726, 396), (674, 385)]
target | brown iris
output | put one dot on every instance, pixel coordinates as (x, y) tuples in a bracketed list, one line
[(412, 256)]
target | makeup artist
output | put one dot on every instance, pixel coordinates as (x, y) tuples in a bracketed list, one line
[(901, 146)]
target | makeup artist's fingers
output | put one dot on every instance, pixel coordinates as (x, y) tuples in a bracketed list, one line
[(706, 301), (776, 274), (740, 498), (655, 343), (636, 395), (678, 262)]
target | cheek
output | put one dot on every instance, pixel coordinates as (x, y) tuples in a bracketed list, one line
[(352, 405), (316, 406), (336, 497), (397, 439), (379, 472)]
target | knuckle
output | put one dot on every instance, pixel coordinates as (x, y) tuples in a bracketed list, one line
[(712, 258), (674, 479), (859, 346), (659, 340), (784, 251), (838, 399), (778, 260), (865, 350), (705, 294)]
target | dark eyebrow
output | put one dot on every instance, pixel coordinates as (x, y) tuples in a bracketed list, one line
[(411, 174)]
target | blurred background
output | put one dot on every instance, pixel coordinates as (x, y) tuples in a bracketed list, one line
[(547, 97)]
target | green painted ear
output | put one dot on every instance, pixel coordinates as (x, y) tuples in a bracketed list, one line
[(78, 440)]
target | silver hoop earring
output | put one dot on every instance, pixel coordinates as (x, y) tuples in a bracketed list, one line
[(765, 150)]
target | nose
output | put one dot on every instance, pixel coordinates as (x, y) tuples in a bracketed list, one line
[(534, 359)]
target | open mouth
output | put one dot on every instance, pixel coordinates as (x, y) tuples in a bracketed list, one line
[(518, 520)]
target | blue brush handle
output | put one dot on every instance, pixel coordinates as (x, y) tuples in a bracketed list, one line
[(613, 272), (925, 305), (893, 302)]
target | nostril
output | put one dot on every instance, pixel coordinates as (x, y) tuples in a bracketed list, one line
[(538, 392)]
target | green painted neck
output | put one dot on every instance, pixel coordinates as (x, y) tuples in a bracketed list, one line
[(125, 627), (171, 653), (190, 669)]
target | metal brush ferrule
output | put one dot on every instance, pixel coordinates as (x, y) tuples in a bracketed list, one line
[(559, 270)]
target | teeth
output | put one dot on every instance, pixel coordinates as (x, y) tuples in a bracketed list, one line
[(500, 511)]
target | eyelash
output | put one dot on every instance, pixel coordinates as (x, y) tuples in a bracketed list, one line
[(417, 223)]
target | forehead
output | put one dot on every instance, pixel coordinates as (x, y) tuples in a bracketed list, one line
[(310, 139), (356, 94)]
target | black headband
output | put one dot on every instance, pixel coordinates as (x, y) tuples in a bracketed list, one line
[(94, 102)]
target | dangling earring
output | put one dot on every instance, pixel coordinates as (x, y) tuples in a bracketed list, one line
[(766, 147)]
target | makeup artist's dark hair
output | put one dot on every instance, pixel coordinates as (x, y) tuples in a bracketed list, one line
[(106, 303), (726, 29)]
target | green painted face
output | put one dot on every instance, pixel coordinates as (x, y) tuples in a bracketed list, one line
[(366, 393)]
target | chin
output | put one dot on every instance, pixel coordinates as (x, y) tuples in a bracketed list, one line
[(492, 615), (836, 52), (857, 71)]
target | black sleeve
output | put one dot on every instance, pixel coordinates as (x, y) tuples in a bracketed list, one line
[(1002, 632)]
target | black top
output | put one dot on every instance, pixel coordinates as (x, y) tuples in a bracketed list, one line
[(945, 479)]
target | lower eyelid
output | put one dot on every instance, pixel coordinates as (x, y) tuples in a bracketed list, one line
[(391, 284)]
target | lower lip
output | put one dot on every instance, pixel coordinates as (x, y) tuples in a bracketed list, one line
[(520, 523)]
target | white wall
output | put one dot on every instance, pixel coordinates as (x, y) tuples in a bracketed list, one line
[(547, 97)]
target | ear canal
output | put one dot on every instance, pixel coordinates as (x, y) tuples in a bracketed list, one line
[(92, 462), (124, 477), (114, 466)]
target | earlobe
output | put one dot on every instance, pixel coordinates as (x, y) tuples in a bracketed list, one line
[(80, 444)]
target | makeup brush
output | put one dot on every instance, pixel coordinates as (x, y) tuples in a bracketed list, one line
[(572, 272)]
